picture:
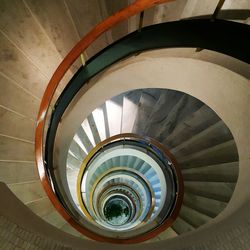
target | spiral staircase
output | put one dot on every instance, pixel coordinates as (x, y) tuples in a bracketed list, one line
[(207, 153), (194, 130)]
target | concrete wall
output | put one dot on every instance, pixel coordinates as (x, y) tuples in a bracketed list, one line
[(21, 229)]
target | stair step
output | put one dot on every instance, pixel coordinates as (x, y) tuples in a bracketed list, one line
[(28, 191), (225, 172), (73, 162), (138, 163), (41, 207), (94, 129), (221, 153), (184, 108), (77, 151), (193, 217), (124, 160), (167, 234), (72, 182), (99, 120), (114, 112), (129, 110), (131, 161), (214, 190), (180, 226), (84, 139), (16, 172), (106, 123), (213, 135), (67, 228), (55, 219), (143, 168), (192, 125), (147, 101), (168, 100), (207, 206)]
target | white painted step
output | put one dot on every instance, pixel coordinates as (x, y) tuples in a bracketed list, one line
[(130, 110)]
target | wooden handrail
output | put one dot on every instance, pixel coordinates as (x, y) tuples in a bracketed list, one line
[(133, 9)]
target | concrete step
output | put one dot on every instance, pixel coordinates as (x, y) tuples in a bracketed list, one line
[(214, 190), (148, 99), (183, 109), (16, 125), (41, 207), (225, 172), (168, 99), (73, 162), (221, 153), (114, 112), (124, 160), (192, 125), (209, 207), (84, 139), (77, 150), (55, 219), (12, 149), (167, 234), (130, 110), (72, 175), (16, 172), (28, 191), (98, 116), (193, 217), (105, 117), (180, 226), (94, 130), (213, 135), (67, 228)]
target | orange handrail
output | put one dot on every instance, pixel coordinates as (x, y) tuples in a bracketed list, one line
[(133, 9)]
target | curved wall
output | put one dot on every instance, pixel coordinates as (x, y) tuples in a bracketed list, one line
[(226, 92)]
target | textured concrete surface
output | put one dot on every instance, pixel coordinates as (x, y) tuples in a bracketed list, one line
[(231, 233), (33, 40)]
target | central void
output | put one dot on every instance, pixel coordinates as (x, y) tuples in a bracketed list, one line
[(127, 183), (117, 211)]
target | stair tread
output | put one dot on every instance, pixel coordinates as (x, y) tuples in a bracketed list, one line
[(207, 206), (55, 219), (221, 191), (84, 139), (180, 226), (77, 150), (147, 101), (193, 124), (193, 217), (130, 110), (213, 135), (183, 108), (114, 114), (221, 153), (94, 130), (168, 100), (225, 172)]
